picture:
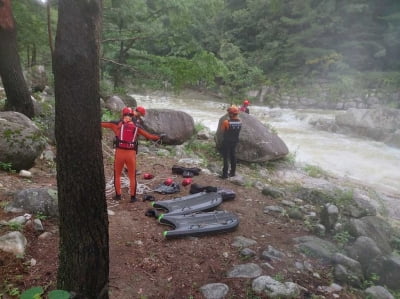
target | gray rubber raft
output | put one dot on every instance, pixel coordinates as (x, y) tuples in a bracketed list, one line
[(194, 215), (199, 224), (194, 203)]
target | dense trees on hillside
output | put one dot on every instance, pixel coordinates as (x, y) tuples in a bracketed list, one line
[(247, 42)]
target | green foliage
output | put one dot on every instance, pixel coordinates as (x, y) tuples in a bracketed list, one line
[(290, 159), (239, 75), (396, 294), (40, 216), (372, 280), (32, 35), (314, 171), (10, 289), (106, 87), (109, 115), (309, 223), (6, 166), (37, 292), (181, 71), (395, 243), (342, 238), (198, 127), (2, 103), (59, 294), (15, 226), (344, 197), (235, 45), (250, 294), (202, 149), (279, 277), (33, 293)]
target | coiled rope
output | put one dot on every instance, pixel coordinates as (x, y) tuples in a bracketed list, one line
[(140, 187)]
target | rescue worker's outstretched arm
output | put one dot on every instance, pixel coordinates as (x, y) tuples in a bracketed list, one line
[(147, 135), (113, 125)]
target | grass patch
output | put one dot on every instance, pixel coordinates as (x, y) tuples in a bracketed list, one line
[(6, 166), (15, 226), (344, 197), (342, 238), (315, 171), (202, 148), (109, 115)]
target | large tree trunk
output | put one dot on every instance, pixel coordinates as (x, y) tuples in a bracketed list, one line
[(84, 251), (17, 92)]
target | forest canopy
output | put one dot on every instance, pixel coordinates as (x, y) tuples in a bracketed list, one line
[(233, 45)]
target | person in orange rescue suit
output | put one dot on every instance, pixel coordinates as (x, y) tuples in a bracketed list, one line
[(138, 115), (125, 152), (245, 106), (231, 128)]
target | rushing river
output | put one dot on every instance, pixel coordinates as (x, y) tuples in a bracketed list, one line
[(371, 163)]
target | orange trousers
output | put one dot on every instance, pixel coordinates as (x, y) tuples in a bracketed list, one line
[(125, 157)]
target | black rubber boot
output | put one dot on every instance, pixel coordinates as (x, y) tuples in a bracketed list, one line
[(117, 197), (133, 199)]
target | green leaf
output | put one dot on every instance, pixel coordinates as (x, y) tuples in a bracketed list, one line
[(59, 294), (32, 293)]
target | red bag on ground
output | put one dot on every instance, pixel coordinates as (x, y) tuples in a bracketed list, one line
[(148, 176), (168, 181), (186, 181)]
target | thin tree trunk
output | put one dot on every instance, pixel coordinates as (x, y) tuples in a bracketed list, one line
[(17, 92), (84, 251), (28, 56), (49, 32), (34, 52)]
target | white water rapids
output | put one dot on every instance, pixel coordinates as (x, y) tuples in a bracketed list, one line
[(369, 162)]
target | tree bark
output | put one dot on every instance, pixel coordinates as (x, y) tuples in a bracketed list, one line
[(84, 252), (17, 92)]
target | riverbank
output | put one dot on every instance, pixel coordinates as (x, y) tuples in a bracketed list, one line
[(274, 201), (317, 99), (143, 263)]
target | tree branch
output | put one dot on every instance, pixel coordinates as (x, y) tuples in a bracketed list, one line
[(132, 39), (117, 63)]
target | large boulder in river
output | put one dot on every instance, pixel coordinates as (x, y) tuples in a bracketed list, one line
[(21, 140), (177, 125), (379, 124), (256, 142), (115, 104)]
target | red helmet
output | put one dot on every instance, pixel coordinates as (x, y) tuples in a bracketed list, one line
[(186, 181), (246, 102), (141, 110), (148, 176), (168, 181), (127, 111), (233, 109)]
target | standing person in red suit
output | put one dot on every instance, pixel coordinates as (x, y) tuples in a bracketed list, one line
[(126, 134), (245, 106)]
